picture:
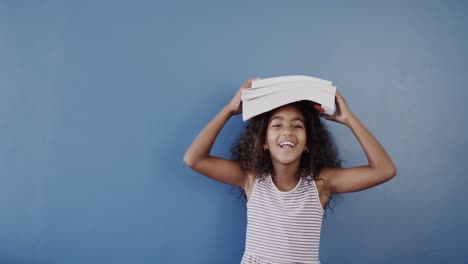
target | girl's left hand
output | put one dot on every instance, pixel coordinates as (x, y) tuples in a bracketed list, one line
[(342, 113)]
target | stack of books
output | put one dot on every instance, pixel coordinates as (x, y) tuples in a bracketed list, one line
[(270, 93)]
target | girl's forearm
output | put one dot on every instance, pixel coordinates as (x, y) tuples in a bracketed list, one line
[(376, 155), (201, 146)]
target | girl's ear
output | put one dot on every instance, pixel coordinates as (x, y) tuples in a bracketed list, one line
[(265, 147)]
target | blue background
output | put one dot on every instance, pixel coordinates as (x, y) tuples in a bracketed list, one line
[(100, 99)]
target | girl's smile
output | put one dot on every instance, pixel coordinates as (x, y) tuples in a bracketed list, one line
[(287, 145)]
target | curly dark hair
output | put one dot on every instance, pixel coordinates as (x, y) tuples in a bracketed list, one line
[(252, 157)]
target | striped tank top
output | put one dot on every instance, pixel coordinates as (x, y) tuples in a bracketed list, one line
[(283, 227)]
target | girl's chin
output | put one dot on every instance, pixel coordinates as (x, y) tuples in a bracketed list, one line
[(287, 153), (287, 160), (286, 150)]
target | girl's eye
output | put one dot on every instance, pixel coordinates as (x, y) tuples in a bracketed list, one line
[(297, 126), (276, 125)]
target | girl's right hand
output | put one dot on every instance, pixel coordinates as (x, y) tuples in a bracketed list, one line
[(235, 106)]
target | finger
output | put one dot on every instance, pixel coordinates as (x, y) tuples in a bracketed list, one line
[(338, 95), (253, 79), (248, 83), (319, 108)]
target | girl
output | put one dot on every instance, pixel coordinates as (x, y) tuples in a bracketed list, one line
[(287, 165)]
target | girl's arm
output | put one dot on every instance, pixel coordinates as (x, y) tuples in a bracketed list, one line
[(198, 156), (380, 168)]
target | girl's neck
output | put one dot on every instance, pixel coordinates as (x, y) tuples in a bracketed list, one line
[(285, 177)]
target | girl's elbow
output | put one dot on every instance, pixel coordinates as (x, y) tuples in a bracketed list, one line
[(387, 173), (389, 170), (392, 172), (189, 161)]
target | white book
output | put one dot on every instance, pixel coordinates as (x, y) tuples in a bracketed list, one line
[(285, 79), (249, 94), (267, 94)]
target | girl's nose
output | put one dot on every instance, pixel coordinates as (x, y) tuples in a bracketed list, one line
[(286, 132)]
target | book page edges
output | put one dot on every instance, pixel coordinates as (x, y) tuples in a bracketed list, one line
[(264, 104), (303, 88), (286, 79)]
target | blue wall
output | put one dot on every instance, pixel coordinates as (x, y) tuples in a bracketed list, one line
[(100, 99)]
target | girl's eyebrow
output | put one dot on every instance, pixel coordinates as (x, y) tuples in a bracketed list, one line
[(281, 118)]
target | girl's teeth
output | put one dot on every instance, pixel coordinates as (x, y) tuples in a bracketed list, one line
[(287, 144)]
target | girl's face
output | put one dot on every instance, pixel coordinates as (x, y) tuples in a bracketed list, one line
[(286, 135)]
